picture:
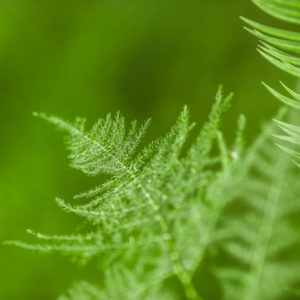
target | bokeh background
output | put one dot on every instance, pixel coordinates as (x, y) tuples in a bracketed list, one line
[(88, 58)]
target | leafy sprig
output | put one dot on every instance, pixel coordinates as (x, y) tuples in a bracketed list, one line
[(281, 48)]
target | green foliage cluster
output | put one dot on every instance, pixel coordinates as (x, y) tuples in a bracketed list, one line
[(167, 207), (175, 211), (282, 49)]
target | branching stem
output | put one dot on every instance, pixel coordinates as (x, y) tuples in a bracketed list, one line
[(178, 268)]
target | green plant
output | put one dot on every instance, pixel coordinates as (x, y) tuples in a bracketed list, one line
[(150, 207), (281, 48), (264, 238), (162, 211), (178, 219)]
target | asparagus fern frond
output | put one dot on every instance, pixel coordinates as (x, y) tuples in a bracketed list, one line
[(281, 48)]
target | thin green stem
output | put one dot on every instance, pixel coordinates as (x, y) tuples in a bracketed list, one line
[(177, 266)]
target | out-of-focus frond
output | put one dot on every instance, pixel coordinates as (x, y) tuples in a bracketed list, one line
[(281, 48), (260, 236)]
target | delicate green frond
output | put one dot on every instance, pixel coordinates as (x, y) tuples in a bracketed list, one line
[(204, 141), (288, 101), (161, 211), (83, 291), (106, 148), (155, 202), (286, 10), (271, 31), (262, 235), (121, 283), (171, 210), (281, 48)]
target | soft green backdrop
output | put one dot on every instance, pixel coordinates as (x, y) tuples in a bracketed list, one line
[(87, 58)]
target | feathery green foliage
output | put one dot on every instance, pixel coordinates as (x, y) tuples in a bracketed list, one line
[(281, 48), (165, 207), (167, 210), (149, 213), (262, 236)]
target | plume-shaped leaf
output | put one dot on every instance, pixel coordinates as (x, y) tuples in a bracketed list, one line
[(162, 210), (153, 204)]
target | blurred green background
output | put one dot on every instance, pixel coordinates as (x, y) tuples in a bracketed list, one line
[(87, 58)]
